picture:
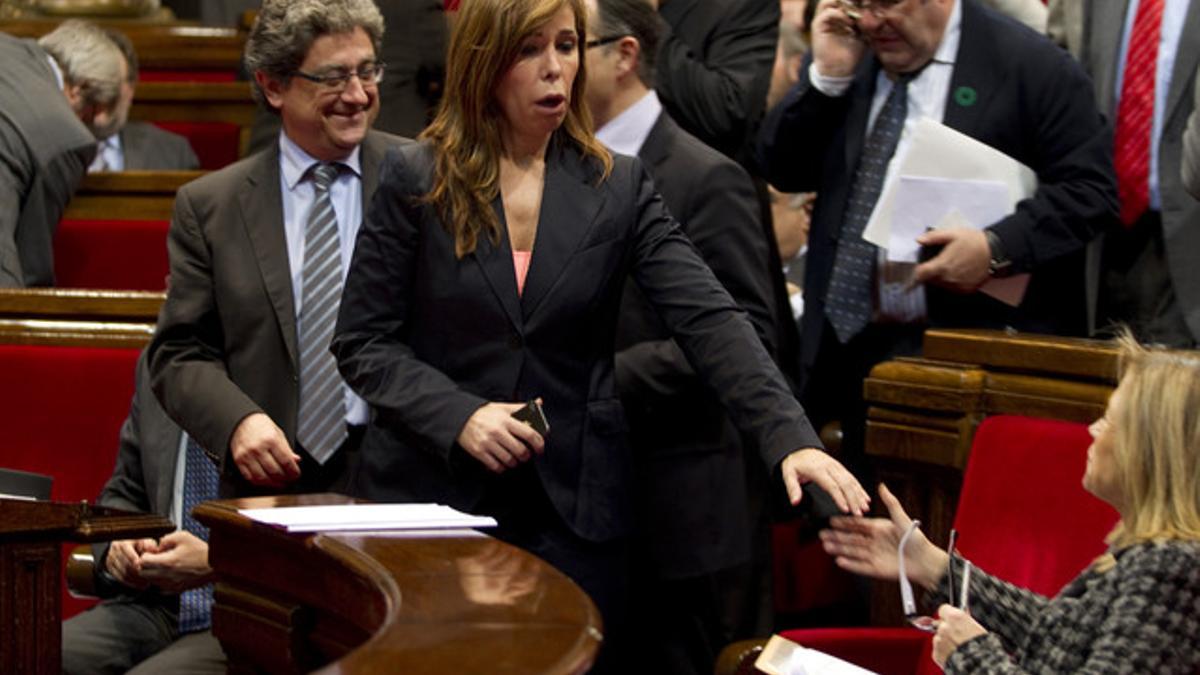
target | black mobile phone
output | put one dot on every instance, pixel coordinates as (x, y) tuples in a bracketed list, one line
[(533, 415)]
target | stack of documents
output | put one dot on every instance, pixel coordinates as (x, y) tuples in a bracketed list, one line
[(948, 179), (781, 656), (348, 517)]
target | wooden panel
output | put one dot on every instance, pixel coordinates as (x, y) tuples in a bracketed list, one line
[(161, 46), (128, 195), (78, 317)]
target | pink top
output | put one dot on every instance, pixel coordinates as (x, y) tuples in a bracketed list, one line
[(521, 265)]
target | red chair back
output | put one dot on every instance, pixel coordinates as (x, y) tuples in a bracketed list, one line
[(114, 254)]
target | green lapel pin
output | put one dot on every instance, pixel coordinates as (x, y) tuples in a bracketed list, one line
[(966, 96)]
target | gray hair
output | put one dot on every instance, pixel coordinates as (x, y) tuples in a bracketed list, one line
[(88, 58), (286, 29)]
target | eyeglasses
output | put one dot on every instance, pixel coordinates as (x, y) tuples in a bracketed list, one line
[(919, 621), (855, 8), (597, 42), (337, 79)]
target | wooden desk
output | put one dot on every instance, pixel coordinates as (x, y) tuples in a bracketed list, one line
[(30, 562), (77, 317), (456, 602), (127, 195)]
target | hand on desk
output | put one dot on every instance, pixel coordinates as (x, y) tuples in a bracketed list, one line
[(178, 561), (262, 453), (123, 561), (492, 436), (813, 465), (954, 628), (962, 264), (867, 546)]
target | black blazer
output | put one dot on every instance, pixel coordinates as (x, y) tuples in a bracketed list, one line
[(1012, 89), (427, 339), (684, 444)]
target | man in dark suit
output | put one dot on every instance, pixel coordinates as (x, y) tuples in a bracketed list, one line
[(955, 62), (138, 623), (1144, 272), (258, 254), (692, 556), (56, 95), (139, 146)]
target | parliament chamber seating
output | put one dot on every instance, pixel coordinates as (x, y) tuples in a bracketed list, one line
[(68, 359), (1013, 411)]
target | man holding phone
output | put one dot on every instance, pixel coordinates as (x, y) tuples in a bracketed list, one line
[(876, 68)]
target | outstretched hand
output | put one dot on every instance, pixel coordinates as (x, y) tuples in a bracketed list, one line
[(813, 465), (868, 546)]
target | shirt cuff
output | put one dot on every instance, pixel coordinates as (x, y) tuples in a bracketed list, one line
[(830, 86)]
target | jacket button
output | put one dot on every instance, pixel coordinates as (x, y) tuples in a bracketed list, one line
[(515, 342)]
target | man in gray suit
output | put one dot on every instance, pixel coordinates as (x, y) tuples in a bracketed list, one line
[(57, 96), (139, 146), (138, 623), (236, 360), (1145, 271)]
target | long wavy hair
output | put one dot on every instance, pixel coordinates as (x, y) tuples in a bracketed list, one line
[(465, 134), (1156, 446)]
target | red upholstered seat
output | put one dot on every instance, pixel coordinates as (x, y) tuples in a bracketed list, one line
[(61, 414), (116, 254), (215, 143), (1022, 515)]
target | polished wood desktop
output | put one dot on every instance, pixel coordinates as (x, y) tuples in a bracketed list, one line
[(443, 602)]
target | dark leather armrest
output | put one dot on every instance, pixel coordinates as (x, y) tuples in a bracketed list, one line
[(81, 567)]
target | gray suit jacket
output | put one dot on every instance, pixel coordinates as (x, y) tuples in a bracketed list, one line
[(44, 153), (1191, 146), (1100, 54), (149, 148), (143, 479), (226, 342)]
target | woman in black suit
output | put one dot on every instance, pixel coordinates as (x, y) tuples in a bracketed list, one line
[(490, 271)]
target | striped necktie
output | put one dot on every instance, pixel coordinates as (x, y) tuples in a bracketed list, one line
[(848, 302), (199, 485), (1135, 111), (322, 421)]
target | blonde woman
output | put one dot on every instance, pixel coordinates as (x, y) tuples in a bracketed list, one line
[(1136, 609)]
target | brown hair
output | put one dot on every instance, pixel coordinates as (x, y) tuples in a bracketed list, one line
[(465, 134)]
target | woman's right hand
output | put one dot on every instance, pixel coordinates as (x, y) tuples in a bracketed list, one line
[(868, 546), (492, 436)]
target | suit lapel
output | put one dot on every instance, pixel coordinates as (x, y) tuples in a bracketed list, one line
[(262, 216), (497, 264), (975, 78), (1186, 59), (373, 149), (858, 114), (654, 150), (1104, 25), (569, 205)]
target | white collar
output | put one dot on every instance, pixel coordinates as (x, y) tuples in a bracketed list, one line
[(625, 133), (294, 162)]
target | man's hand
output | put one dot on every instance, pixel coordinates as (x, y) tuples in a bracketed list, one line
[(178, 562), (954, 628), (498, 441), (811, 464), (961, 266), (123, 562), (262, 453), (837, 46)]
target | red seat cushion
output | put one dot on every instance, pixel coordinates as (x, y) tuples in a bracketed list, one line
[(1023, 514), (117, 254), (61, 414), (215, 143)]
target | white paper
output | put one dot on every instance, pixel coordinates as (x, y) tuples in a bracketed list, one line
[(781, 656), (937, 151), (344, 517), (922, 203)]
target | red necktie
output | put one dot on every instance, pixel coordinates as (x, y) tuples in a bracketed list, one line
[(1135, 112)]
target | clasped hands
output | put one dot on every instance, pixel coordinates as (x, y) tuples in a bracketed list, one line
[(868, 546), (175, 563)]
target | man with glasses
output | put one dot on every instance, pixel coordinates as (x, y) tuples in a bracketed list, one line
[(876, 68), (258, 255)]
